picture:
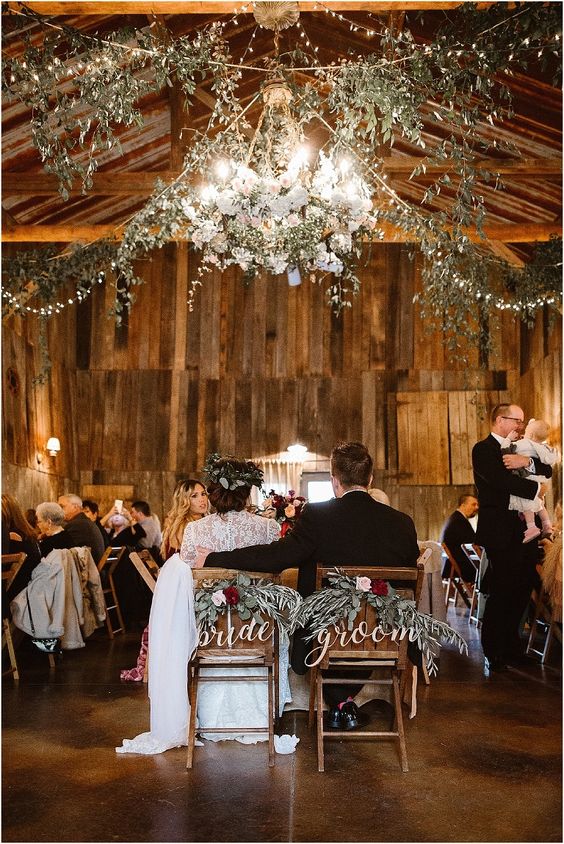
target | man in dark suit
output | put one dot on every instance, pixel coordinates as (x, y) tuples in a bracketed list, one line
[(511, 573), (458, 531), (351, 529), (79, 526)]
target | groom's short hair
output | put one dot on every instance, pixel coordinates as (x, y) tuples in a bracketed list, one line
[(351, 464)]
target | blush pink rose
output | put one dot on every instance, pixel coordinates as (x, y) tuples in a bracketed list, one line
[(218, 598), (363, 584)]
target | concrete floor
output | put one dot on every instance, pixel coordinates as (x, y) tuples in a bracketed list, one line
[(484, 756)]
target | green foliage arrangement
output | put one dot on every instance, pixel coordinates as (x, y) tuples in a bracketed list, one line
[(342, 601), (259, 600), (81, 87)]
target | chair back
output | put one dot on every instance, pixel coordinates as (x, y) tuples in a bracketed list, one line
[(11, 564), (146, 566), (358, 643), (425, 554), (230, 636)]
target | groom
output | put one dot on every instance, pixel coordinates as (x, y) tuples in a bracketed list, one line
[(351, 529)]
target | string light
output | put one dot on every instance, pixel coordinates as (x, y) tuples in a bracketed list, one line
[(353, 25), (249, 48), (51, 309), (303, 35)]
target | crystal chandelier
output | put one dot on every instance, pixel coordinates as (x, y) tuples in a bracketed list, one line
[(276, 205)]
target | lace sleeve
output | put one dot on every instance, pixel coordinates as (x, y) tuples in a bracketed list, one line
[(273, 531), (188, 548)]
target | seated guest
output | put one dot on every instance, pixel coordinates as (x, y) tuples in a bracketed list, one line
[(91, 511), (117, 524), (52, 533), (457, 531), (144, 531), (80, 528), (17, 536)]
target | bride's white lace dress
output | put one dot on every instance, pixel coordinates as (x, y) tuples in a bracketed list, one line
[(173, 638), (234, 704)]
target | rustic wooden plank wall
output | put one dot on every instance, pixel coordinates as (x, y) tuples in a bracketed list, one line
[(254, 368)]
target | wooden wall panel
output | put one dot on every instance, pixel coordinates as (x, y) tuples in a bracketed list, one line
[(254, 368), (423, 437)]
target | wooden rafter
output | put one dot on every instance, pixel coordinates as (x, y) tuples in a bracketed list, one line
[(142, 183), (501, 250), (65, 233), (217, 7)]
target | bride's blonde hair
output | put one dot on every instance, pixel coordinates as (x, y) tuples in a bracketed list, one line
[(179, 515)]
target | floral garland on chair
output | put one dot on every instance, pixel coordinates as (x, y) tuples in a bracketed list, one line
[(397, 616), (249, 600)]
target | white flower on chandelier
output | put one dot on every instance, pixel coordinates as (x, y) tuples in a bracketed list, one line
[(280, 221)]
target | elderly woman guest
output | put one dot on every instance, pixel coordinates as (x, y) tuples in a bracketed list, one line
[(50, 521), (172, 626), (189, 503)]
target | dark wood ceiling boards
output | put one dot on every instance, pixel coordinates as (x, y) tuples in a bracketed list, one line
[(531, 194)]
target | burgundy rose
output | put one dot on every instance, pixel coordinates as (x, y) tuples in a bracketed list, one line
[(377, 587), (231, 595)]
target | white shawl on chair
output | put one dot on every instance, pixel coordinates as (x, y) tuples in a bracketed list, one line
[(173, 637)]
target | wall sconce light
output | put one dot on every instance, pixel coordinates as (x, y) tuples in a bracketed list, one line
[(53, 446), (297, 451)]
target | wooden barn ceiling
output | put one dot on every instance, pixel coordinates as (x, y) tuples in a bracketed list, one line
[(528, 208)]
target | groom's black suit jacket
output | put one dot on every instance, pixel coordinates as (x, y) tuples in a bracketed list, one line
[(353, 530)]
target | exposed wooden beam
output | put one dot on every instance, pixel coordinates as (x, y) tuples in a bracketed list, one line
[(500, 250), (216, 7), (67, 232), (141, 183)]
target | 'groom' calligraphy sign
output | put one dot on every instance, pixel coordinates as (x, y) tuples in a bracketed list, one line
[(339, 638)]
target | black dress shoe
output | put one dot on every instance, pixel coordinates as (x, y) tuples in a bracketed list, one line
[(349, 716), (494, 666), (334, 719)]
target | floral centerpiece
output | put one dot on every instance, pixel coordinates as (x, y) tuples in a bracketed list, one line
[(397, 616), (286, 509), (259, 600)]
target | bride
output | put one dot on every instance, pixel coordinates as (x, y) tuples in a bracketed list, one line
[(232, 526), (172, 626)]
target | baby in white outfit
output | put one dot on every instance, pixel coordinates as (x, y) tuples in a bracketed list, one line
[(533, 445)]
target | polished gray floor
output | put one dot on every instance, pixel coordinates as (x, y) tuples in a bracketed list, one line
[(484, 755)]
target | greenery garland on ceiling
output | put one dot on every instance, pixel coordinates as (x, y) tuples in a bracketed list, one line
[(80, 87)]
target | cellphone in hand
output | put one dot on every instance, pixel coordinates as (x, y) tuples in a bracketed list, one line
[(118, 504)]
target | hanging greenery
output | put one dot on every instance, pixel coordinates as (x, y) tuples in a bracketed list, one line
[(81, 88)]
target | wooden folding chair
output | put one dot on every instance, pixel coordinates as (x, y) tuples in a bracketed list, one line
[(385, 654), (543, 629), (457, 583), (11, 564), (149, 571), (249, 654), (146, 566), (477, 556), (107, 566)]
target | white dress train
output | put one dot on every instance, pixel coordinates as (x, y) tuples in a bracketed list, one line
[(172, 639)]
